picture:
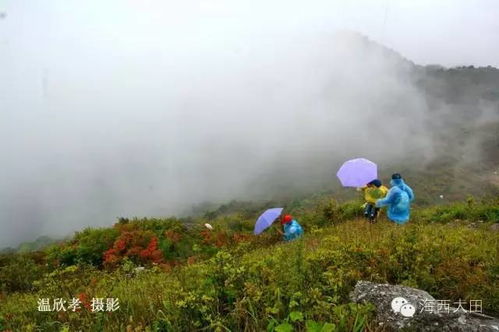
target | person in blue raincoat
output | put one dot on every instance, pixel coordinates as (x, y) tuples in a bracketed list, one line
[(398, 200), (292, 229)]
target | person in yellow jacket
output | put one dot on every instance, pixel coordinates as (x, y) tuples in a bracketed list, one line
[(373, 191)]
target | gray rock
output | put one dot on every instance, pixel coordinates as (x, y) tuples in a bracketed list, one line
[(422, 319), (494, 227)]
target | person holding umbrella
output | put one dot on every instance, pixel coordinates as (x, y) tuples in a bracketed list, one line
[(398, 200), (292, 229), (359, 172), (373, 191)]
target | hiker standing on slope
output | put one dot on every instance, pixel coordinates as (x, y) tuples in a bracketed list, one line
[(373, 191), (398, 200)]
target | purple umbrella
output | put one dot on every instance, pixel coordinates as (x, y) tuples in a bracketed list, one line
[(357, 172), (266, 219)]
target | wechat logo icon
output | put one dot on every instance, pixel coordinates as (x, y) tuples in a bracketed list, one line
[(402, 306)]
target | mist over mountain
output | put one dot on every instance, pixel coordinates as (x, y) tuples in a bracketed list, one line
[(437, 125), (153, 134)]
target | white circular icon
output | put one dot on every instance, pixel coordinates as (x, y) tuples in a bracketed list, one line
[(397, 303), (407, 310)]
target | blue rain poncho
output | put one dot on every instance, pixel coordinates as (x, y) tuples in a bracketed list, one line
[(398, 200), (292, 230)]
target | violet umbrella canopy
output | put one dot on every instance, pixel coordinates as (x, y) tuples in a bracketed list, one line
[(266, 219), (357, 172)]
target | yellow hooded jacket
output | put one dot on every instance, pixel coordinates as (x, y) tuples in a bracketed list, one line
[(372, 194)]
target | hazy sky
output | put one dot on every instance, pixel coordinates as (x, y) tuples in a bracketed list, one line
[(447, 32), (140, 108)]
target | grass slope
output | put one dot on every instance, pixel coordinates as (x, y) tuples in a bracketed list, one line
[(230, 280)]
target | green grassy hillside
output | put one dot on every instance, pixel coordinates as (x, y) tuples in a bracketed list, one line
[(229, 280)]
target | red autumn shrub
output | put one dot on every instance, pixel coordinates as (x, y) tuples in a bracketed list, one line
[(206, 235), (221, 240), (240, 237), (173, 236), (84, 301), (138, 245), (152, 253)]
